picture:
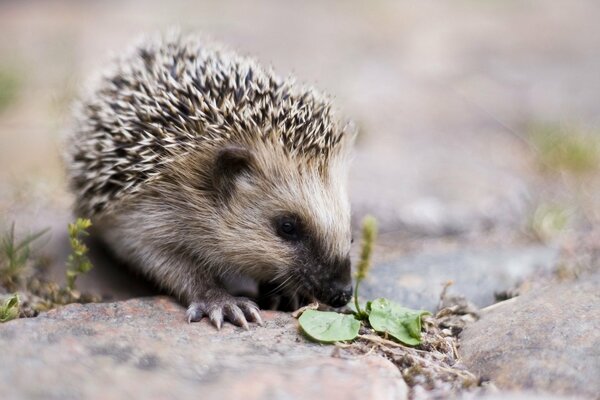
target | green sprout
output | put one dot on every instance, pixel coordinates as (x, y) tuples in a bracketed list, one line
[(550, 220), (369, 234), (10, 83), (10, 309), (565, 148), (22, 272), (78, 261), (14, 255)]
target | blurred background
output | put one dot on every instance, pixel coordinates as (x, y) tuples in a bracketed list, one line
[(479, 120)]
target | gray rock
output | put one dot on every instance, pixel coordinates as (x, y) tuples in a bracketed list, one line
[(515, 396), (546, 340), (417, 280), (143, 348)]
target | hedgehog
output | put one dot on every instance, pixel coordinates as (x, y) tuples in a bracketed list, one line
[(197, 166)]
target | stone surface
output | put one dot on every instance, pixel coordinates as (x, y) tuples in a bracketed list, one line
[(416, 280), (546, 340), (144, 349), (516, 396)]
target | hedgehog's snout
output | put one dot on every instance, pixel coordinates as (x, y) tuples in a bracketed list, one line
[(341, 297), (337, 290)]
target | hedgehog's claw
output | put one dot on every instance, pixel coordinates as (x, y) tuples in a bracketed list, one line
[(250, 311), (194, 313), (216, 316), (236, 310), (235, 315)]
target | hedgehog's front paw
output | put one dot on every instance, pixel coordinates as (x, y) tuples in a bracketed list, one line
[(237, 310)]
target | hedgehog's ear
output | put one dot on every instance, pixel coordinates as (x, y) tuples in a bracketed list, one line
[(231, 161)]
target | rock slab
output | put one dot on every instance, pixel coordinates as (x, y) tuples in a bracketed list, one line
[(143, 348), (547, 340), (416, 280)]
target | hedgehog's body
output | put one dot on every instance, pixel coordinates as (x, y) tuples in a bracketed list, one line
[(195, 163)]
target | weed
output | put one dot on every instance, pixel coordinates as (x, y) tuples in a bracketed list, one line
[(369, 234), (10, 84), (22, 273), (78, 262), (549, 220), (564, 148), (14, 256), (10, 309)]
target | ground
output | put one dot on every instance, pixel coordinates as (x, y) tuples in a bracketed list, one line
[(478, 150)]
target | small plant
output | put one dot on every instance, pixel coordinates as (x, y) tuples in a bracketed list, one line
[(10, 309), (78, 262), (549, 221), (564, 148), (24, 274), (369, 234), (14, 256), (10, 83), (382, 315)]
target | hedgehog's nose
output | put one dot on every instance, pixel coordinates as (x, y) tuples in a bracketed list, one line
[(337, 286), (342, 297)]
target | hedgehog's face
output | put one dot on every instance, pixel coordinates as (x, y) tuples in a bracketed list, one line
[(314, 271), (285, 222)]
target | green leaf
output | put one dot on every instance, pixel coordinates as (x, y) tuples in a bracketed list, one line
[(10, 309), (399, 322), (328, 327)]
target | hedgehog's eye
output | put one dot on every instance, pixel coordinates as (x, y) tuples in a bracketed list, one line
[(288, 228)]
